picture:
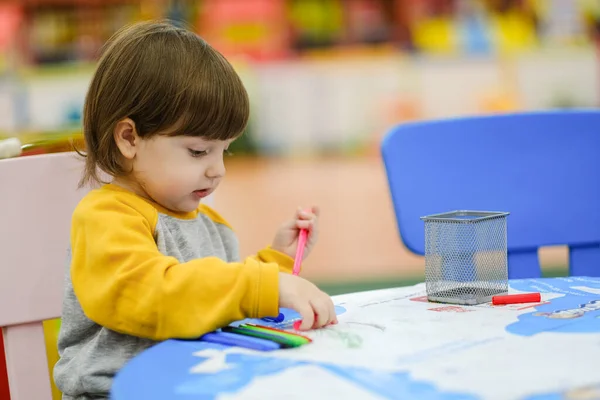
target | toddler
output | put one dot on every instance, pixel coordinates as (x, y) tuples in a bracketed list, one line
[(147, 261)]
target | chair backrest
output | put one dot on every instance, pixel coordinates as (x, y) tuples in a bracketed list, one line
[(542, 167), (37, 197)]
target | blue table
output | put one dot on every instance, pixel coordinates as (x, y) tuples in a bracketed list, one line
[(393, 344)]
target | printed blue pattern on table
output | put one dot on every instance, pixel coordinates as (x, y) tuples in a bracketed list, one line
[(179, 358), (579, 312)]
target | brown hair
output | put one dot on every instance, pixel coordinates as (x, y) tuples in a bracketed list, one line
[(168, 80)]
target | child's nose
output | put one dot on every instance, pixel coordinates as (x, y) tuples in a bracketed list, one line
[(216, 170)]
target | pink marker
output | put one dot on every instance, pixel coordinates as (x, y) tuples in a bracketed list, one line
[(300, 251), (302, 237)]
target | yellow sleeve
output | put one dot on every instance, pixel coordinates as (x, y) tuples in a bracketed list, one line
[(124, 283), (266, 255)]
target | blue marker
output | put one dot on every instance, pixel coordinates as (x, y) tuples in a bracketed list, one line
[(278, 318), (233, 339)]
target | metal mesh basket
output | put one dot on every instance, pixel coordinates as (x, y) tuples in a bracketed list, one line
[(465, 256)]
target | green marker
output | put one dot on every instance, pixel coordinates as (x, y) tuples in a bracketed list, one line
[(285, 339)]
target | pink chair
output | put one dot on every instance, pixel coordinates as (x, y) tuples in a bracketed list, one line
[(37, 197)]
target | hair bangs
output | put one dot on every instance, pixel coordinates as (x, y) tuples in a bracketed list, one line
[(215, 104)]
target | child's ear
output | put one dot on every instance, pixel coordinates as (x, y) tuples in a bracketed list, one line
[(127, 138)]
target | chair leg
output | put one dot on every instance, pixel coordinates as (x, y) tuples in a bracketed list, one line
[(4, 393), (26, 362), (584, 261), (522, 265)]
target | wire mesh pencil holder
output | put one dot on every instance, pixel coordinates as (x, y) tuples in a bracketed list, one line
[(465, 256)]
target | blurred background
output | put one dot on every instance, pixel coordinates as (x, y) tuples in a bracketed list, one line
[(327, 79)]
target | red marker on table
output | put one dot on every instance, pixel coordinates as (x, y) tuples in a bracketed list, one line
[(517, 298)]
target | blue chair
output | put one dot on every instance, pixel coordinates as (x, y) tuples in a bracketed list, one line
[(542, 167)]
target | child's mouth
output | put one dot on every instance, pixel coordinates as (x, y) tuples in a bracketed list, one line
[(202, 193)]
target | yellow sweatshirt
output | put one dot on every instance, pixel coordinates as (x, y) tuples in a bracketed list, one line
[(140, 273)]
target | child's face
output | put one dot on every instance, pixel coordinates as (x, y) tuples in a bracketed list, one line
[(179, 171)]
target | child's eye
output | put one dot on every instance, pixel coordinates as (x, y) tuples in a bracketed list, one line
[(197, 153)]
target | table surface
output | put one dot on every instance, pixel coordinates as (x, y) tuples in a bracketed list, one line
[(393, 344)]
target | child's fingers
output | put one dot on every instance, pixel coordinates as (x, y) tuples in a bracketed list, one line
[(308, 316), (301, 221), (316, 210), (333, 319), (307, 214), (322, 313), (330, 309), (302, 224)]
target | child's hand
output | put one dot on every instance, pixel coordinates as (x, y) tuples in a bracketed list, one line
[(315, 307), (286, 238)]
